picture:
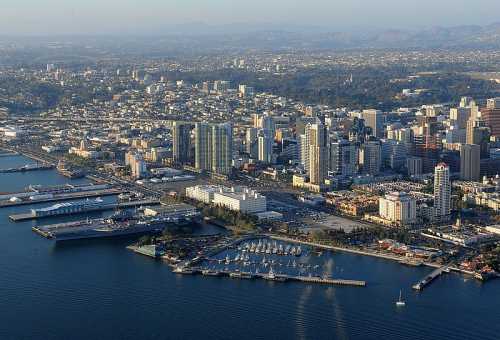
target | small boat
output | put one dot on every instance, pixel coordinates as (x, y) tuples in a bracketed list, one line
[(400, 302)]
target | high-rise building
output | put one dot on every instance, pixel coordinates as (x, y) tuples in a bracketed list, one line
[(478, 133), (394, 154), (303, 150), (265, 144), (442, 192), (203, 146), (251, 142), (206, 87), (246, 91), (370, 157), (343, 158), (466, 101), (317, 139), (399, 208), (265, 122), (491, 116), (414, 166), (137, 166), (459, 116), (375, 120), (222, 148), (470, 162), (221, 86), (289, 149), (181, 142)]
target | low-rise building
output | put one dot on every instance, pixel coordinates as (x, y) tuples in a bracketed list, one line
[(236, 198)]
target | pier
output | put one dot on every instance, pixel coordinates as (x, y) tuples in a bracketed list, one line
[(104, 207), (27, 167), (269, 277), (59, 197), (420, 285), (8, 154)]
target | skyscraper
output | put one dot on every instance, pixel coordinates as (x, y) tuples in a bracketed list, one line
[(470, 162), (343, 158), (203, 147), (265, 144), (181, 142), (370, 157), (478, 133), (251, 142), (303, 151), (414, 166), (491, 116), (375, 120), (318, 153), (394, 154), (222, 148), (137, 166), (442, 192)]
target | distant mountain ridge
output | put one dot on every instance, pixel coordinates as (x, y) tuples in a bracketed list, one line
[(471, 36), (201, 36), (436, 37)]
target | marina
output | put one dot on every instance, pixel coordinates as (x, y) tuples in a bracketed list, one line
[(72, 208), (267, 259)]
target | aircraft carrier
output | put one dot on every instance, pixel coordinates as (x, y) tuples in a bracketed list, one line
[(117, 225)]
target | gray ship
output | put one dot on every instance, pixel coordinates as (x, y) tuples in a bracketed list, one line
[(111, 227)]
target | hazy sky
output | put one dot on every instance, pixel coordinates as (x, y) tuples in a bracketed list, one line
[(157, 16)]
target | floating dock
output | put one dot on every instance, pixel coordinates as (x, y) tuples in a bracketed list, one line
[(420, 285), (104, 207)]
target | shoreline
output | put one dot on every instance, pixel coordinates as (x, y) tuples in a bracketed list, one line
[(372, 254), (349, 250)]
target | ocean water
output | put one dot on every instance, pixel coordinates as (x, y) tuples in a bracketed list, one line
[(97, 289)]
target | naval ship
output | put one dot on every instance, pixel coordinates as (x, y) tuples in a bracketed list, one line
[(117, 225)]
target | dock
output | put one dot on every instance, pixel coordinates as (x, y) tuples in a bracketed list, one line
[(8, 154), (330, 281), (27, 167), (420, 285), (62, 197), (270, 277), (104, 207)]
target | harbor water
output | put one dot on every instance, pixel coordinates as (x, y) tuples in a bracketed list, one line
[(97, 289)]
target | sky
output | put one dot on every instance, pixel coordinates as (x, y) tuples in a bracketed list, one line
[(49, 17)]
